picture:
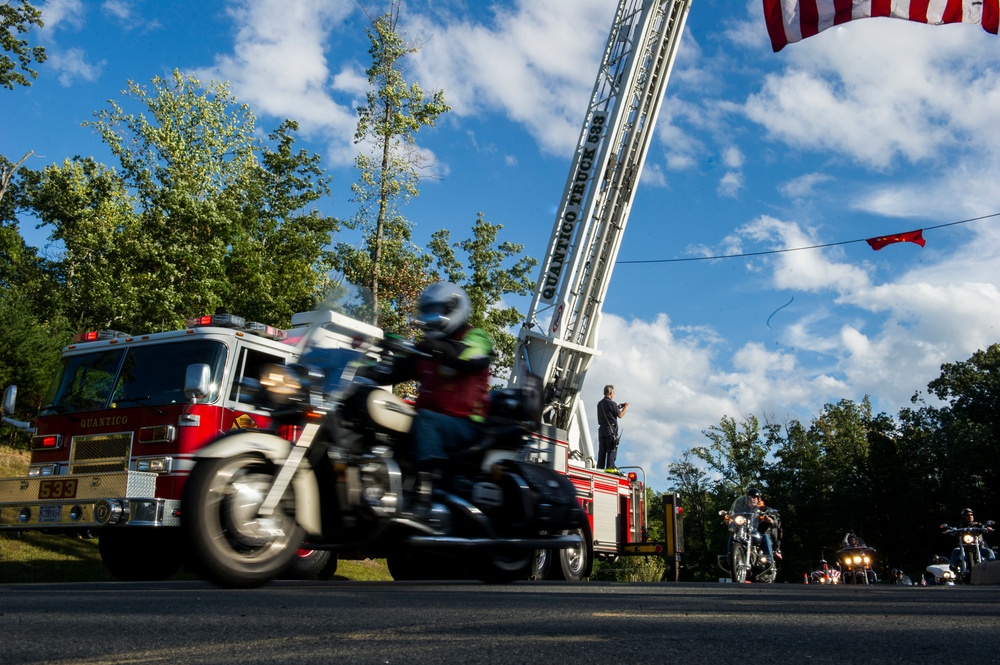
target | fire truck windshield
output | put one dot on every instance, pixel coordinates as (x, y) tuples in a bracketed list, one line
[(136, 376)]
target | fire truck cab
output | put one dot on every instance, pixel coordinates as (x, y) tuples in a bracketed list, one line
[(116, 437)]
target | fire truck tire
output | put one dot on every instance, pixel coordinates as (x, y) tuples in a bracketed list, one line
[(575, 563), (137, 554), (231, 546), (310, 565), (541, 565)]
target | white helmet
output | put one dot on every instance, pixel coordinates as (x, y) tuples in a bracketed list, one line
[(442, 309)]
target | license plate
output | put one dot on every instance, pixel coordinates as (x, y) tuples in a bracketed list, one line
[(57, 488), (50, 514)]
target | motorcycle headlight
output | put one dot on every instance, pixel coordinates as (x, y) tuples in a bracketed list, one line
[(947, 575), (968, 538), (857, 559), (867, 560), (280, 382), (740, 520)]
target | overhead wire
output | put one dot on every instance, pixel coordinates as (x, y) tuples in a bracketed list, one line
[(793, 249)]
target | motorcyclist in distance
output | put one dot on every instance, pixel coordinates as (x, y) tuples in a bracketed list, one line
[(966, 520), (896, 576), (753, 502), (851, 541)]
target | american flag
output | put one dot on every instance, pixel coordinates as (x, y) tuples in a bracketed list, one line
[(793, 20)]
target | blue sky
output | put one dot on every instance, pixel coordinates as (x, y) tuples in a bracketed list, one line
[(871, 128)]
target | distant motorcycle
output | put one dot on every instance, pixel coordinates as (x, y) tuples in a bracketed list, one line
[(825, 575), (970, 539), (747, 559), (856, 565), (939, 572)]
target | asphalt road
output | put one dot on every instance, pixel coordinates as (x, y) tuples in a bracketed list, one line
[(376, 622)]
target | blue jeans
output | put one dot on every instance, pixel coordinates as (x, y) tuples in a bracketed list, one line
[(956, 556), (436, 436)]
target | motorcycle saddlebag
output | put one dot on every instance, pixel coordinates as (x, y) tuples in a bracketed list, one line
[(553, 505)]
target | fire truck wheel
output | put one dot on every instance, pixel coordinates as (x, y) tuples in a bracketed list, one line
[(576, 562), (310, 565), (136, 554), (541, 565), (229, 541)]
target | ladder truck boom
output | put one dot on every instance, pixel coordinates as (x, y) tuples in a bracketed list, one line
[(559, 338)]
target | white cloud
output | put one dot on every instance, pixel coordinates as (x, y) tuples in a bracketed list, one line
[(535, 62), (60, 13), (886, 93), (279, 66), (72, 66), (804, 186)]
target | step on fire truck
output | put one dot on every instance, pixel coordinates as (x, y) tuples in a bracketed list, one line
[(116, 438), (559, 337)]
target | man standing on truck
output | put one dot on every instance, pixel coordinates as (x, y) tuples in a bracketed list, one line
[(608, 413)]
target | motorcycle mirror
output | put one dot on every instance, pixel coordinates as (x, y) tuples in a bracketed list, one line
[(990, 523), (944, 526)]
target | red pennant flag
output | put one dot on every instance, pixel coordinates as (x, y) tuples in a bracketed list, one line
[(910, 236)]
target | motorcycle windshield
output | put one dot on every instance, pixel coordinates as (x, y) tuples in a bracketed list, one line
[(740, 507), (337, 366)]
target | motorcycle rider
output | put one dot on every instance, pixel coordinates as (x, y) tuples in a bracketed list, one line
[(851, 541), (753, 502), (967, 520), (453, 375)]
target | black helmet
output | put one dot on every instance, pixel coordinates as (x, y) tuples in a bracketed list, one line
[(754, 492), (966, 511)]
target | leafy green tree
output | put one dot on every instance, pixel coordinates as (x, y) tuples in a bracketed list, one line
[(17, 18), (201, 214), (29, 350), (488, 281), (91, 215), (390, 169), (267, 276), (704, 536), (961, 436), (737, 454)]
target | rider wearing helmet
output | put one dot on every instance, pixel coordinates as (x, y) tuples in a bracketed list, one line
[(968, 519), (753, 502), (453, 375)]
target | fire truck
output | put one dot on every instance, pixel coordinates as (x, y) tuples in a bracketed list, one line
[(559, 337), (116, 437)]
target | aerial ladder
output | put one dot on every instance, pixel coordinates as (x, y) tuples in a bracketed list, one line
[(558, 339)]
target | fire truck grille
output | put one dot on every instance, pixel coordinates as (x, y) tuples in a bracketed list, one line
[(100, 452)]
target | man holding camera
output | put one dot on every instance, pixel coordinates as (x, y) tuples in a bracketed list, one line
[(608, 413)]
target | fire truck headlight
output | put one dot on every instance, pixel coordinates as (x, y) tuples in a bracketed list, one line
[(154, 464), (280, 382)]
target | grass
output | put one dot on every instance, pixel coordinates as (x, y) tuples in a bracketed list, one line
[(32, 556)]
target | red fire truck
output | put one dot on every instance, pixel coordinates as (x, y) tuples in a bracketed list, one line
[(115, 439)]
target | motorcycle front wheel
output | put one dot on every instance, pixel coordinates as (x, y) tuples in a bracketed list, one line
[(232, 545), (738, 563)]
